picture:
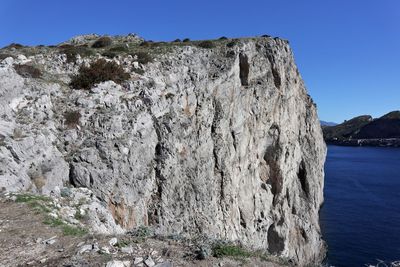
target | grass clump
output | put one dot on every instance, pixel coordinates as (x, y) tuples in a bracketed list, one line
[(27, 71), (99, 71), (206, 44), (102, 42), (67, 229), (140, 234), (38, 203), (53, 222), (228, 250), (79, 216), (28, 198), (73, 230)]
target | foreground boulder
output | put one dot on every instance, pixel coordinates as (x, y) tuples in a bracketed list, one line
[(221, 141)]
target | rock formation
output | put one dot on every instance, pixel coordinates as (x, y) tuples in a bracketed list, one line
[(222, 142)]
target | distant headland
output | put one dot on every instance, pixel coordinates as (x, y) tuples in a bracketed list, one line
[(365, 131)]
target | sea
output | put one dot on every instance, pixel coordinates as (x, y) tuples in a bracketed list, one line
[(360, 217)]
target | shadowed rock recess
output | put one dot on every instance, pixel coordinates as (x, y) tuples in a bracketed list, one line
[(222, 142)]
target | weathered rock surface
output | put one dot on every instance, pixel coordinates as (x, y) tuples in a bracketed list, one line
[(221, 142)]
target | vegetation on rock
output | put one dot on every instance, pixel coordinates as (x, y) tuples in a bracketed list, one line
[(99, 71), (73, 51), (206, 44), (27, 71), (102, 42)]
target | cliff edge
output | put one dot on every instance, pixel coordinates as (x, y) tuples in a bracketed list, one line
[(215, 138)]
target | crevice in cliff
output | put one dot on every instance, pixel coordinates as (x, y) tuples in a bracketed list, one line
[(216, 137), (275, 72), (160, 154), (242, 221), (244, 69), (302, 176), (275, 178), (71, 176), (276, 244)]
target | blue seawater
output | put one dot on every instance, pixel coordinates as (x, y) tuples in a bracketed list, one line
[(360, 217)]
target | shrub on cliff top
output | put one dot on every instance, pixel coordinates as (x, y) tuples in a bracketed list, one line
[(102, 42), (206, 44), (99, 71)]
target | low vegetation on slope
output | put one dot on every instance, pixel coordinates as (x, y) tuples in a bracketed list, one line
[(99, 71)]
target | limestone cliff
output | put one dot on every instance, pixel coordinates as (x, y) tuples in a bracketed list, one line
[(221, 141)]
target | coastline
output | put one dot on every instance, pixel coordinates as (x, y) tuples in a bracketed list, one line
[(378, 142)]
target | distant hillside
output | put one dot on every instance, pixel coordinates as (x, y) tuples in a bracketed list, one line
[(327, 123), (364, 130), (387, 126), (347, 129)]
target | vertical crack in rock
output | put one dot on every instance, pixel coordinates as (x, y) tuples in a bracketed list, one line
[(302, 175), (244, 69), (271, 154), (242, 220), (217, 145), (14, 154), (154, 210), (275, 72)]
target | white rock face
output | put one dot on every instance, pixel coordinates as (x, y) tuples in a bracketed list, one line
[(223, 142)]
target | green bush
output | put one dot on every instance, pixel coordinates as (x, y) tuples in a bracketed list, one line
[(120, 48), (102, 42), (223, 38), (110, 54), (99, 71), (73, 230), (225, 250), (145, 43), (186, 40), (231, 44), (143, 57), (27, 71), (206, 44)]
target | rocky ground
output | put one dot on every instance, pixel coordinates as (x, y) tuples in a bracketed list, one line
[(45, 231)]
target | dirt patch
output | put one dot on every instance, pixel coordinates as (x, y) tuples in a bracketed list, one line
[(28, 241)]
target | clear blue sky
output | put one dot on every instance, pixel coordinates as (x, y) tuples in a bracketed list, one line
[(348, 51)]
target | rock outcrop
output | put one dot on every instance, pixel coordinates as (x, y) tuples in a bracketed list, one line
[(222, 142)]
